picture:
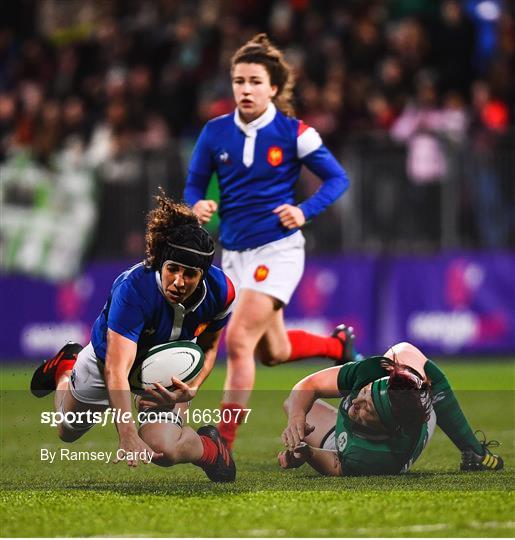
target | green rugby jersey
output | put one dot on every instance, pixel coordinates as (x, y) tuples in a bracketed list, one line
[(362, 451)]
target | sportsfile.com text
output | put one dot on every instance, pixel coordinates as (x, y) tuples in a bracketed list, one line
[(116, 416)]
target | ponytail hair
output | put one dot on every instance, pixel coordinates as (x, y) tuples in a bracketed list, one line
[(259, 50)]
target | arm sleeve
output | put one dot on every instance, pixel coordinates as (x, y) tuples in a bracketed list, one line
[(334, 181), (126, 312), (347, 377), (356, 374), (449, 416), (222, 318), (200, 170)]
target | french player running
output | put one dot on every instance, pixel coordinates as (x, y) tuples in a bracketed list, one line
[(387, 416), (175, 294), (257, 153)]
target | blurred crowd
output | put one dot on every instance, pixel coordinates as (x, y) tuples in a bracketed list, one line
[(126, 85)]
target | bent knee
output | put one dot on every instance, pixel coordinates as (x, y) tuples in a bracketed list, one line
[(286, 405), (64, 434), (155, 436), (69, 435), (405, 352), (239, 343), (272, 356), (404, 347), (163, 462), (270, 360)]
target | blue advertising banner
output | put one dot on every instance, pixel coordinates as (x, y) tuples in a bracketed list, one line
[(446, 304), (42, 316), (334, 290)]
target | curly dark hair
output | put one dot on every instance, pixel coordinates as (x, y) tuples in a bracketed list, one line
[(170, 223), (410, 396), (259, 50)]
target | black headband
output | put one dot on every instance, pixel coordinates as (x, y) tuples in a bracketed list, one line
[(188, 256)]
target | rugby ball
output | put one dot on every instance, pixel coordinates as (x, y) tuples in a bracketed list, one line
[(180, 359)]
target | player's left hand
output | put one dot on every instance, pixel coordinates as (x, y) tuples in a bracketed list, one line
[(291, 217), (162, 397)]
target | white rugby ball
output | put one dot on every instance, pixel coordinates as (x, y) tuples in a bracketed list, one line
[(180, 359)]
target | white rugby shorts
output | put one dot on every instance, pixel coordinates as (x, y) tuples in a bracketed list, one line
[(274, 269), (86, 382), (87, 385)]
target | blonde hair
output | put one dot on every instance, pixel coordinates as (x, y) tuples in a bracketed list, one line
[(259, 50)]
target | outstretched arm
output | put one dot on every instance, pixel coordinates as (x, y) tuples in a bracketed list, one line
[(449, 416), (321, 384), (120, 356)]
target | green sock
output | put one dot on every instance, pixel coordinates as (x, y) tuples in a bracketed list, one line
[(449, 416)]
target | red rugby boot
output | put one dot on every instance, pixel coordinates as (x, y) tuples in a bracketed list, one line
[(224, 468), (44, 379)]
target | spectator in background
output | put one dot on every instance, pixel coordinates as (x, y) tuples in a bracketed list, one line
[(419, 126), (48, 131), (9, 58), (67, 72), (7, 122), (381, 112), (31, 100), (391, 82), (76, 128), (485, 15), (408, 41), (452, 49), (494, 214), (141, 99)]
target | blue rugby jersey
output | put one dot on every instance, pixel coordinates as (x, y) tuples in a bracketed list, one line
[(137, 309), (258, 165)]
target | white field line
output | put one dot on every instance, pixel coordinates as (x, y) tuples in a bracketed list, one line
[(380, 531)]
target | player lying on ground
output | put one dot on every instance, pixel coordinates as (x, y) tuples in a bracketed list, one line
[(175, 294), (387, 415)]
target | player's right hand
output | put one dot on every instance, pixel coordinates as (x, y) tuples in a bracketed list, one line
[(162, 397), (133, 449), (295, 431), (205, 209)]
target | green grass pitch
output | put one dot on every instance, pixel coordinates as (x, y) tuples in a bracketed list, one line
[(98, 499)]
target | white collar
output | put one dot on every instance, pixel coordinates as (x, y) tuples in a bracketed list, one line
[(194, 306), (259, 123)]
